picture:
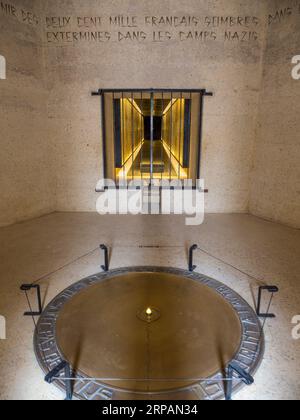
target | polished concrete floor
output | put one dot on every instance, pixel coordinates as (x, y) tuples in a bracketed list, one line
[(239, 250)]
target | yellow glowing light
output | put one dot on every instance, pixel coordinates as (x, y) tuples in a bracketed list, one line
[(149, 312)]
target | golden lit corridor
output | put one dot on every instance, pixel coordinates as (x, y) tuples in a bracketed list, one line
[(152, 138)]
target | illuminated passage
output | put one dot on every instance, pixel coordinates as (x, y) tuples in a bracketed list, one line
[(152, 135)]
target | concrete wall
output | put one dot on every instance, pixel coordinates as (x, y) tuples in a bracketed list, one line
[(26, 176), (51, 132), (275, 190), (230, 68)]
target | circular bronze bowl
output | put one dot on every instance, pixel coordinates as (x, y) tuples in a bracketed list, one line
[(149, 331)]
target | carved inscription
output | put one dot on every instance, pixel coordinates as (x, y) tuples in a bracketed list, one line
[(66, 29)]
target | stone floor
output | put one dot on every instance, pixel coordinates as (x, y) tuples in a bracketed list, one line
[(239, 250)]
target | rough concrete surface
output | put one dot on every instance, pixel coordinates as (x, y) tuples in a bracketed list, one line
[(50, 125)]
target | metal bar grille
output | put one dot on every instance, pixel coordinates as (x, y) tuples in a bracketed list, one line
[(100, 91), (154, 134)]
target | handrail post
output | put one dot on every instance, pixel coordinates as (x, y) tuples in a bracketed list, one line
[(105, 267), (270, 289), (192, 267), (25, 288), (242, 374), (53, 375)]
